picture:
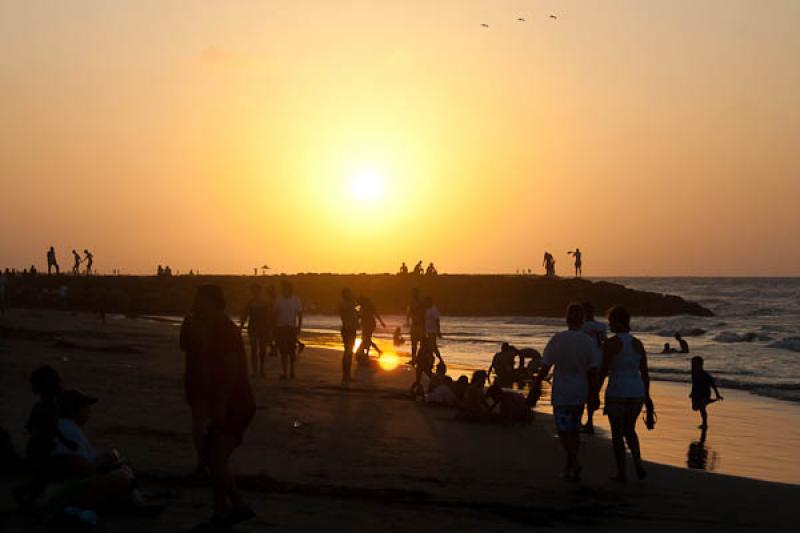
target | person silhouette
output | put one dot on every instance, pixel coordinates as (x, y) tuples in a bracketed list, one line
[(288, 323), (52, 262), (415, 318), (76, 265), (257, 317), (404, 268), (89, 258), (418, 268), (549, 265), (369, 319), (431, 270), (578, 261), (682, 342), (349, 331)]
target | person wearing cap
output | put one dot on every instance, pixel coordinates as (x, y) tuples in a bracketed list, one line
[(91, 479), (217, 387)]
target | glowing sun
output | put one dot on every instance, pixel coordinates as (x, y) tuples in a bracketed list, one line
[(367, 185)]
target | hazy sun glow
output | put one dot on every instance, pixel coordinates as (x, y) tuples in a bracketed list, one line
[(388, 361), (367, 185)]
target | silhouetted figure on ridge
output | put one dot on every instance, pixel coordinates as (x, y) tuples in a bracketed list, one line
[(52, 262), (404, 268), (578, 262), (76, 265), (89, 259), (549, 264), (418, 270), (431, 270)]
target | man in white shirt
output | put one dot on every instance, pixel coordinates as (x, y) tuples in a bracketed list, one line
[(288, 322), (596, 331), (570, 353)]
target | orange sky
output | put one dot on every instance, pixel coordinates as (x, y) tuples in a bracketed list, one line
[(662, 138)]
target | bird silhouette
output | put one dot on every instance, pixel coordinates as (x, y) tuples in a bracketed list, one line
[(553, 17), (520, 19), (485, 25)]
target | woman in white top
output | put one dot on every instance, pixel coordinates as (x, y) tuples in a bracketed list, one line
[(625, 365)]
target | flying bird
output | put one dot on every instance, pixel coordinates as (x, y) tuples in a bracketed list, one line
[(553, 17), (520, 19), (485, 25)]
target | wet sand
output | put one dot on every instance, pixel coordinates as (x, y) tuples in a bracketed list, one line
[(361, 460)]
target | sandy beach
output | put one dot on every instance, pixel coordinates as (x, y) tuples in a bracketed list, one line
[(368, 458)]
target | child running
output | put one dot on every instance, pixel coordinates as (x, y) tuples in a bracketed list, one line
[(702, 383)]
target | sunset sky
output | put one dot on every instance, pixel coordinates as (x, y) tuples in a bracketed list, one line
[(662, 138)]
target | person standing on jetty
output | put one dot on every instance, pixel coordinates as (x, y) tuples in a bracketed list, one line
[(76, 265), (349, 316), (51, 261), (570, 353), (578, 262), (221, 399), (598, 333), (415, 318), (625, 364), (288, 323), (549, 265), (404, 268), (89, 258), (257, 318)]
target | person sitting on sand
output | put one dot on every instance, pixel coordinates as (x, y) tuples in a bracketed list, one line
[(349, 331), (513, 408), (288, 323), (570, 352), (397, 338), (257, 317), (92, 480), (224, 394), (682, 342), (625, 364), (474, 407), (443, 393), (460, 387), (369, 317), (503, 365), (668, 348), (702, 383)]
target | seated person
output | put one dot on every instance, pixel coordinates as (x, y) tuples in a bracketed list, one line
[(93, 480), (513, 406), (668, 348), (474, 407), (503, 365), (443, 393), (42, 423), (460, 388)]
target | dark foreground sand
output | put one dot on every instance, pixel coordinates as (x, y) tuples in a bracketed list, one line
[(367, 459)]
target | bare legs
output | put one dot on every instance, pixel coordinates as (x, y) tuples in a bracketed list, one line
[(199, 425), (570, 441), (623, 430), (349, 340)]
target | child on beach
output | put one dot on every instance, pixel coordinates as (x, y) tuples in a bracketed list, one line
[(702, 383)]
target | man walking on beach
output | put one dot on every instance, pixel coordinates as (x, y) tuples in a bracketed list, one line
[(349, 316), (288, 322), (570, 352), (415, 318), (51, 261), (598, 333)]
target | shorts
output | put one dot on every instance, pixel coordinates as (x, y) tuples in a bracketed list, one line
[(699, 403), (624, 408), (286, 339), (567, 417)]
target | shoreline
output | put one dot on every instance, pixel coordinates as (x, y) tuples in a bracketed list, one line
[(359, 459)]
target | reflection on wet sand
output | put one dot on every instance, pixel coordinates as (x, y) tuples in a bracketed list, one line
[(700, 456)]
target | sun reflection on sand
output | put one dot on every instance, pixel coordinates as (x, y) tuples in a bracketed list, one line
[(388, 361)]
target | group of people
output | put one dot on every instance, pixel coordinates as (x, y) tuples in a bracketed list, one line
[(419, 269), (357, 313), (549, 263), (66, 470), (52, 262), (273, 325)]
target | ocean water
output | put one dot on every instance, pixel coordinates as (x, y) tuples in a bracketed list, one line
[(752, 343)]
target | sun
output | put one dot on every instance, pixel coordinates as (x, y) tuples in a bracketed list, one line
[(367, 185)]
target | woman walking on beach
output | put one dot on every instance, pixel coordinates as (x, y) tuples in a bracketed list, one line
[(217, 384), (369, 321), (625, 365)]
